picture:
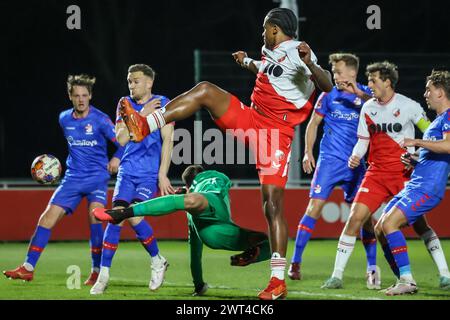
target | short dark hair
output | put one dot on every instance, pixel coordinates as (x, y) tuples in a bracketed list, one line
[(387, 70), (190, 173), (144, 68), (285, 19), (349, 59), (82, 80), (441, 79)]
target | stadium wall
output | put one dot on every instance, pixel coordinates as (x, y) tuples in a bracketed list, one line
[(21, 209)]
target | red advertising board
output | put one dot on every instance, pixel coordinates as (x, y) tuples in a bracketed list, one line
[(21, 208)]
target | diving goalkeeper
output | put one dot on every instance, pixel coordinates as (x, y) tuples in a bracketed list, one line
[(207, 205)]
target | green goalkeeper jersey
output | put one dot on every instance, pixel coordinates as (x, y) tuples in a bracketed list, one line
[(211, 181)]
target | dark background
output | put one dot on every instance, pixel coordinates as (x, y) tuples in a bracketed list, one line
[(39, 52)]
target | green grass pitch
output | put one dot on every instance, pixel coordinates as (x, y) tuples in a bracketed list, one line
[(130, 273)]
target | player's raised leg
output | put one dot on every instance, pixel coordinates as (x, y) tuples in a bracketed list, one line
[(38, 242), (160, 206), (203, 95)]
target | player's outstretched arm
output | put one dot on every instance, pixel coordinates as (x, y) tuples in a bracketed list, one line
[(441, 146), (244, 61), (321, 77)]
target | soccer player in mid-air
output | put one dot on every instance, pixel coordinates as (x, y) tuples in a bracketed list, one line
[(144, 165), (207, 205), (87, 131), (286, 78), (385, 121), (339, 109), (426, 188)]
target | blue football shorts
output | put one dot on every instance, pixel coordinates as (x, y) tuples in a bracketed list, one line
[(331, 172), (71, 190), (414, 203)]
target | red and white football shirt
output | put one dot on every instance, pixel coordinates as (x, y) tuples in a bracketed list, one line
[(386, 125), (284, 90)]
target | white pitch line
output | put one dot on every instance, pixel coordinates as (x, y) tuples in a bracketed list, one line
[(336, 295), (301, 293)]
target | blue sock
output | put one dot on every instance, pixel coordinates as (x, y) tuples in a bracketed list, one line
[(144, 233), (96, 244), (110, 244), (390, 259), (370, 245), (399, 250), (305, 229), (37, 245)]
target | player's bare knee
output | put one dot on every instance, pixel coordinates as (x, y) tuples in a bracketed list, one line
[(353, 225), (195, 202), (314, 208), (386, 225), (202, 89), (49, 218), (272, 202), (272, 209)]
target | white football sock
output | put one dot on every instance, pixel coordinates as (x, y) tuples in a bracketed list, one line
[(28, 266), (434, 247), (156, 120), (104, 272), (277, 266), (344, 251), (157, 260), (408, 278)]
